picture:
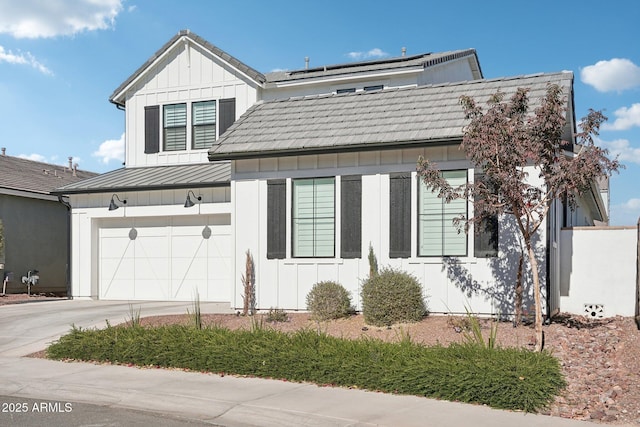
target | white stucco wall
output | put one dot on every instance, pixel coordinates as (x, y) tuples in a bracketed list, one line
[(598, 268)]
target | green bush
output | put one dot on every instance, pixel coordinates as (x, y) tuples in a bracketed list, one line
[(328, 300), (509, 378), (275, 315), (392, 296)]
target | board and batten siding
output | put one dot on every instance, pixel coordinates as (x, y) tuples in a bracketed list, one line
[(181, 76), (284, 281)]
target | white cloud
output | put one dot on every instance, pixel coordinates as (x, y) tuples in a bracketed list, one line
[(35, 157), (50, 18), (112, 149), (373, 53), (23, 59), (621, 148), (617, 74), (626, 118)]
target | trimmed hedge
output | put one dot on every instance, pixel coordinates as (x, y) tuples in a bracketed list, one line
[(507, 378)]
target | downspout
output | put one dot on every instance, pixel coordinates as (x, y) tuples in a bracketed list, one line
[(68, 272)]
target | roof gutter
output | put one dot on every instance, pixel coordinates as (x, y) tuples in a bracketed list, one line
[(306, 151)]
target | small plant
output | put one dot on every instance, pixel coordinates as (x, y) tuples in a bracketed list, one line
[(473, 335), (249, 286), (134, 317), (196, 316), (392, 296), (328, 300), (373, 262), (276, 315)]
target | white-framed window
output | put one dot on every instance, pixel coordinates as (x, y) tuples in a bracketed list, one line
[(168, 127), (203, 132), (437, 235), (175, 127), (313, 217)]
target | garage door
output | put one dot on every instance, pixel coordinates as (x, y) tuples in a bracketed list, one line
[(165, 259)]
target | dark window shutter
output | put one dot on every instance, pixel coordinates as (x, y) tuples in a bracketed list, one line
[(227, 114), (276, 219), (152, 129), (486, 231), (350, 216), (400, 215), (486, 238)]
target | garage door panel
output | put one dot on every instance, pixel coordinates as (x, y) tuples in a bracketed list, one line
[(151, 290), (165, 261)]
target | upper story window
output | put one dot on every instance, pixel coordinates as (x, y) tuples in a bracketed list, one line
[(204, 124), (347, 90), (175, 127), (376, 87), (200, 122)]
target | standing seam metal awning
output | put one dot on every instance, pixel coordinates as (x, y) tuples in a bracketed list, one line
[(154, 178)]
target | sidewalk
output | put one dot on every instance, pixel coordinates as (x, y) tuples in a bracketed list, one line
[(220, 400)]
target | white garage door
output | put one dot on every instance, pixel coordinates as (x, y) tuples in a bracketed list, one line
[(165, 259)]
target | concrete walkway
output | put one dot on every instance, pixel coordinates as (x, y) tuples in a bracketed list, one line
[(226, 401)]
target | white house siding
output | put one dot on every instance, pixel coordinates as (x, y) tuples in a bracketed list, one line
[(599, 268), (450, 283), (181, 76), (170, 256)]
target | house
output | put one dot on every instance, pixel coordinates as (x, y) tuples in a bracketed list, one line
[(306, 169), (36, 223)]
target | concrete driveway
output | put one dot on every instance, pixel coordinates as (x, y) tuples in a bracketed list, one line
[(218, 400)]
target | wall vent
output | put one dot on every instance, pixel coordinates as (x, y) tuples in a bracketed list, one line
[(594, 311)]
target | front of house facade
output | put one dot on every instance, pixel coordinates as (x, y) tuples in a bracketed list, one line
[(307, 170)]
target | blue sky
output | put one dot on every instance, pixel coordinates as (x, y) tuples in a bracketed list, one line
[(60, 60)]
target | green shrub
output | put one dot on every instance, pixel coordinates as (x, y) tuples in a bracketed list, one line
[(508, 378), (328, 300), (276, 315), (392, 296)]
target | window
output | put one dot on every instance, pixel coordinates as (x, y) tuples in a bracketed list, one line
[(175, 127), (204, 124), (348, 90), (313, 217), (437, 236), (371, 88)]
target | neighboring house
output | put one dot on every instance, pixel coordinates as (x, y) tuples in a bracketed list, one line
[(306, 169), (36, 223)]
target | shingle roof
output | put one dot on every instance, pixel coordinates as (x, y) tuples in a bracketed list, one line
[(154, 178), (422, 61), (367, 120), (20, 174), (256, 75)]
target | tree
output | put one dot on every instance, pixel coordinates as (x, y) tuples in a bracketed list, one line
[(507, 143)]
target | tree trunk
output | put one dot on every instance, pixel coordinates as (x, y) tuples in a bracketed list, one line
[(536, 295), (518, 297)]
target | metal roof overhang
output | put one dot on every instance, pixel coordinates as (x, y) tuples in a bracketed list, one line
[(153, 178)]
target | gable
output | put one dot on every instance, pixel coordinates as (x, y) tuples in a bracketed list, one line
[(186, 59)]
